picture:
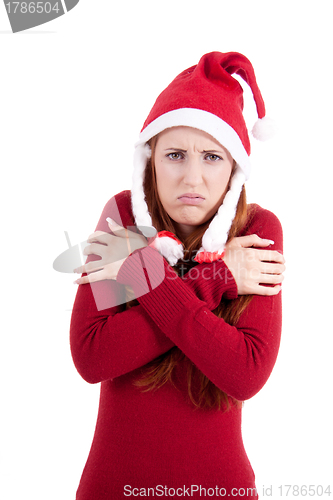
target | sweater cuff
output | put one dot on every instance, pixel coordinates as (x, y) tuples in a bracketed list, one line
[(147, 271)]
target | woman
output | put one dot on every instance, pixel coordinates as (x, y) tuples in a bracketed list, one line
[(182, 326)]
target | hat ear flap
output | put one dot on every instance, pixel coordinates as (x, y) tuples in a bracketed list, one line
[(139, 206), (216, 236)]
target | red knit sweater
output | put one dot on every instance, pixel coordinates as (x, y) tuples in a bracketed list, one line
[(156, 443)]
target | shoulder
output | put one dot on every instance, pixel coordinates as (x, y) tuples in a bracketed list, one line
[(119, 209), (265, 224), (123, 202), (258, 216)]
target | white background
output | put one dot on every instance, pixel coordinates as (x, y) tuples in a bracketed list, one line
[(73, 96)]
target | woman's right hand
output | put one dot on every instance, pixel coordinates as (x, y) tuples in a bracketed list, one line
[(253, 268), (113, 250)]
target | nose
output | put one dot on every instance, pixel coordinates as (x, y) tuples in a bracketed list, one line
[(193, 172)]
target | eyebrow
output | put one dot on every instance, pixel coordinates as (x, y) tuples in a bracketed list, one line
[(176, 149), (213, 151), (204, 151)]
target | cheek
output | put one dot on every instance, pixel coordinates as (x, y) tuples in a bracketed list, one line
[(162, 182), (165, 180), (220, 184)]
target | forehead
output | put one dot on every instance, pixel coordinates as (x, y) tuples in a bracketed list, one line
[(182, 136)]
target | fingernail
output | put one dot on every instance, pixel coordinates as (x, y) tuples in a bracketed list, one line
[(271, 242), (110, 221), (77, 282)]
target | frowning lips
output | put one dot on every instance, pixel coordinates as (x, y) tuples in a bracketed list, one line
[(191, 198)]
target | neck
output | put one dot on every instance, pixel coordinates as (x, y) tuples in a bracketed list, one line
[(184, 230)]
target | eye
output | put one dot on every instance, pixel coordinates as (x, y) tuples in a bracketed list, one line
[(175, 156), (212, 157)]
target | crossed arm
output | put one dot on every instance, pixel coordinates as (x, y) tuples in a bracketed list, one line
[(114, 341)]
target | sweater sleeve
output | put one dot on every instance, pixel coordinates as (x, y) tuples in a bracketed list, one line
[(108, 341), (237, 359)]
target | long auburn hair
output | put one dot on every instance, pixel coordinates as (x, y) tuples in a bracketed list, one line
[(160, 371)]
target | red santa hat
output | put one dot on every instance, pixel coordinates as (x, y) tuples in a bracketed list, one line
[(208, 98)]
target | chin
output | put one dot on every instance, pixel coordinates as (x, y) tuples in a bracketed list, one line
[(193, 222), (190, 215)]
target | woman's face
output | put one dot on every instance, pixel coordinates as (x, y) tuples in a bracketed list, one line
[(192, 174)]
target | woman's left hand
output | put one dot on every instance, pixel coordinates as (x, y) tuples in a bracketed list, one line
[(113, 250)]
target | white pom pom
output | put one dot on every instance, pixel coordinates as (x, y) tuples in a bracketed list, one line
[(264, 129), (170, 249)]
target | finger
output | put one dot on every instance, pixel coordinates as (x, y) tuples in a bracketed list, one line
[(253, 240), (89, 268), (266, 290), (270, 256), (100, 236), (271, 279), (116, 228), (94, 249), (91, 278), (272, 268)]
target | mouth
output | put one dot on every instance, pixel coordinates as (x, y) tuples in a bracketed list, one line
[(191, 198)]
